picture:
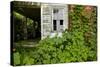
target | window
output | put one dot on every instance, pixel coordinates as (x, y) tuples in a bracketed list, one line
[(61, 22), (54, 25)]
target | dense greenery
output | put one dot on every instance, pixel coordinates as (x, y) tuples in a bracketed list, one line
[(76, 45)]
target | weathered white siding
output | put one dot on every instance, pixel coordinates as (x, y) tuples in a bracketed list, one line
[(46, 19)]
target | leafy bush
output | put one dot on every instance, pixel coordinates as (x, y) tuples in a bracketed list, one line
[(16, 58), (71, 48)]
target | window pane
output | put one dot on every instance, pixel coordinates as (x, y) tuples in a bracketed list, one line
[(54, 28), (55, 11), (61, 22), (54, 25), (54, 22)]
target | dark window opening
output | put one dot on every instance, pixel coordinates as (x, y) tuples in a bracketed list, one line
[(61, 22), (54, 25)]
